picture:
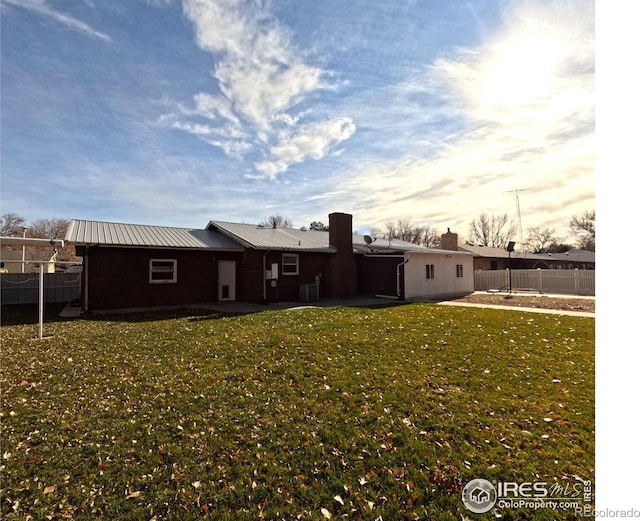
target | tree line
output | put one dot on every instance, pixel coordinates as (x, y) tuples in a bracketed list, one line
[(497, 231), (13, 225), (494, 231)]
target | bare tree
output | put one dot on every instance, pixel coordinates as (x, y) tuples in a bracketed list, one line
[(55, 228), (11, 225), (583, 227), (49, 228), (541, 240), (401, 229), (492, 230), (430, 237), (406, 231), (276, 221)]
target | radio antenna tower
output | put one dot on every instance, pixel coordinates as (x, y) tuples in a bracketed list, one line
[(518, 210)]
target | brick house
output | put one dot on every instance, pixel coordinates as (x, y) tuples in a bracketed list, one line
[(132, 265)]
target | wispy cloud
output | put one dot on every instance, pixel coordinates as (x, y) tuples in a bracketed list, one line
[(261, 77), (309, 141), (325, 195), (42, 7)]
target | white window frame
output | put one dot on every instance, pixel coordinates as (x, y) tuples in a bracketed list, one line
[(290, 263), (156, 269), (430, 271)]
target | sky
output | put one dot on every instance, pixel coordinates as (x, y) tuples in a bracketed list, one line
[(176, 113)]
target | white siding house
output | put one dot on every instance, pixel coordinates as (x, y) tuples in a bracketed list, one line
[(438, 274)]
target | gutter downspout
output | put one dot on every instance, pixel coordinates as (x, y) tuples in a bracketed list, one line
[(399, 291)]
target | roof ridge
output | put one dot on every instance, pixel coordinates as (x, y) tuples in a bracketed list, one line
[(137, 224)]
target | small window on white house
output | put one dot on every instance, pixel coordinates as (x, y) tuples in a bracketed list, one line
[(430, 271), (459, 271), (290, 264), (163, 271)]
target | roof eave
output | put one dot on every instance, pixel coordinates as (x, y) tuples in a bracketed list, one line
[(154, 247)]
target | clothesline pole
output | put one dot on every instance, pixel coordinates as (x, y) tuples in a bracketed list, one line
[(41, 301)]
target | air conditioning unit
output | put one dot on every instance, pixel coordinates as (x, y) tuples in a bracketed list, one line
[(309, 292)]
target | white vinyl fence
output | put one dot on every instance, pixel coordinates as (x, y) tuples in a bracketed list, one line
[(22, 288), (573, 282)]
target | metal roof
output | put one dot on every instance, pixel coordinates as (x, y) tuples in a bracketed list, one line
[(225, 236), (265, 238), (384, 245), (489, 251), (147, 236), (575, 255)]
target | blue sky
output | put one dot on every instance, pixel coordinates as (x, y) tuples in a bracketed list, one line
[(176, 113)]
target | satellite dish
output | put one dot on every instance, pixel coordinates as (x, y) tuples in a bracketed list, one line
[(368, 239)]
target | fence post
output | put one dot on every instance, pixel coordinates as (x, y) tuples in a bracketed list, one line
[(539, 280), (41, 300)]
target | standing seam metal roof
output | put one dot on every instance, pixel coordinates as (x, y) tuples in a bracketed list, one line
[(139, 235), (264, 238)]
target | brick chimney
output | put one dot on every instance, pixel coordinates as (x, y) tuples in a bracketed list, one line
[(449, 241), (342, 274), (340, 232)]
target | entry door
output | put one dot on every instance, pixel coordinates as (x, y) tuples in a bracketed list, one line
[(226, 280)]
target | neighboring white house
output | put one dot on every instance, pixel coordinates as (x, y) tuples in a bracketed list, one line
[(11, 259), (438, 274)]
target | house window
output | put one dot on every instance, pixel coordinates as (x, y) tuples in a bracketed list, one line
[(431, 272), (290, 264), (459, 271), (162, 271)]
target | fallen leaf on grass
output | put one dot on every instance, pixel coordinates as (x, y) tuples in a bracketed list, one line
[(325, 513), (133, 495), (50, 490)]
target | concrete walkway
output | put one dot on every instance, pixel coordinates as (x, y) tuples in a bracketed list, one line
[(234, 307), (519, 308), (363, 301), (526, 309)]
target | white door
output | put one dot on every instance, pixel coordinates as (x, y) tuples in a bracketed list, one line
[(226, 280)]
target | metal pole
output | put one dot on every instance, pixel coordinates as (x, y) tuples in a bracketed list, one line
[(24, 234), (41, 299), (509, 273)]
